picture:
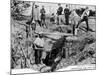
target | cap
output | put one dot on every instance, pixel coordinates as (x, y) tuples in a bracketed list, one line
[(66, 5), (59, 3)]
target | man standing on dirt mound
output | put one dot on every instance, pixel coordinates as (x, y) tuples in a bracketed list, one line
[(66, 13), (84, 17), (42, 11), (59, 12), (36, 14)]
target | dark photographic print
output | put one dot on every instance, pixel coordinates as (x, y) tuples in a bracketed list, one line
[(52, 37)]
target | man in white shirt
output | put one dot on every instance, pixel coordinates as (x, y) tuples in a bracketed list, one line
[(84, 17), (39, 46), (36, 13)]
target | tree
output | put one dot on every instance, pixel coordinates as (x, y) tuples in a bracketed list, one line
[(17, 7)]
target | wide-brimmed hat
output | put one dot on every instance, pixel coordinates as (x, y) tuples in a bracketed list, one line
[(36, 6), (39, 32)]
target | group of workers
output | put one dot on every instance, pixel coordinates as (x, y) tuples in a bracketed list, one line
[(40, 15), (39, 41), (67, 12)]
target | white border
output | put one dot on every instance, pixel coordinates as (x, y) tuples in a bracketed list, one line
[(5, 36)]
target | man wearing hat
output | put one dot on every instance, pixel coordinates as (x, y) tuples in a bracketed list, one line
[(59, 12), (84, 17), (66, 13), (39, 46), (36, 12)]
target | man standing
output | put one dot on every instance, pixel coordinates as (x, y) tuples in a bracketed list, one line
[(66, 13), (36, 13), (84, 17), (42, 11), (39, 44), (59, 12)]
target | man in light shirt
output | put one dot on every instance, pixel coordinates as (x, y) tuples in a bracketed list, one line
[(84, 17), (39, 46), (36, 13)]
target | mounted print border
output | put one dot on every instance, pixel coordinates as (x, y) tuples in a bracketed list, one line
[(52, 37)]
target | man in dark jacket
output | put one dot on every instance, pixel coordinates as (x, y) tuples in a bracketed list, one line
[(59, 12), (66, 13), (42, 11)]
